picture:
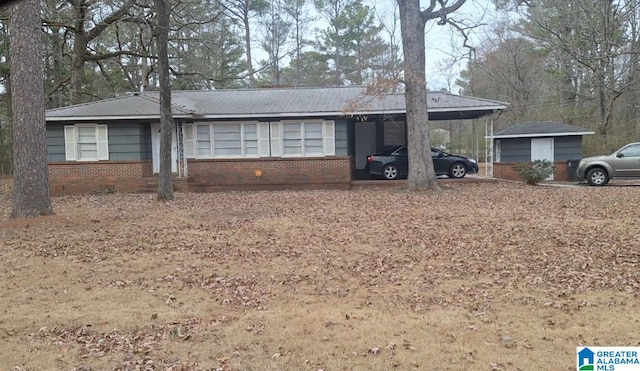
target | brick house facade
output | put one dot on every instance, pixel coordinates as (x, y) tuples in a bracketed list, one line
[(233, 139)]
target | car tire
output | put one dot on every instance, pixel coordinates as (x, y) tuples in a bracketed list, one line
[(597, 176), (457, 170), (390, 172)]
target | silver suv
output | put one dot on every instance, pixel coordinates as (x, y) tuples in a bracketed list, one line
[(625, 162)]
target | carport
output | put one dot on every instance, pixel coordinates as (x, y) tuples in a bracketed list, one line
[(385, 125)]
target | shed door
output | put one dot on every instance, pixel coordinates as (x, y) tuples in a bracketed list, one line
[(542, 149)]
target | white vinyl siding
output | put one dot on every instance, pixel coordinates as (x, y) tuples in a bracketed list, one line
[(264, 139), (86, 142)]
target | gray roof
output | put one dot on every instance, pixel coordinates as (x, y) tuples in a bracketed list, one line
[(541, 129), (261, 103)]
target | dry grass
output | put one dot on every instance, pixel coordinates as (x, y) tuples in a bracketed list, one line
[(482, 276)]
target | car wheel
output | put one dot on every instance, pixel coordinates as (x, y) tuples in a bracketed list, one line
[(597, 176), (390, 172), (457, 170)]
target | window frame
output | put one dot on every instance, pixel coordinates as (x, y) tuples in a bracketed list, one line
[(328, 141), (269, 139), (72, 142), (212, 138)]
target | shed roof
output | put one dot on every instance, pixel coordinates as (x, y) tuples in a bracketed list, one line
[(279, 102), (541, 129)]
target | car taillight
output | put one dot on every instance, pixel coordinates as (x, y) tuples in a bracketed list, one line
[(370, 159)]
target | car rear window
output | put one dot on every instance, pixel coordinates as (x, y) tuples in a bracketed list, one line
[(388, 151)]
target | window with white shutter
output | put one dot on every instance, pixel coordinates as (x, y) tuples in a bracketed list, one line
[(189, 142), (227, 140), (263, 140), (260, 139), (70, 142), (276, 139), (86, 142), (329, 138), (306, 138)]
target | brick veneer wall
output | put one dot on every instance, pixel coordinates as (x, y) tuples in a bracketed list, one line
[(275, 173), (204, 175), (98, 176), (506, 170)]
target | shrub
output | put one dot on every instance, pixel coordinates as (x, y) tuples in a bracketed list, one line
[(536, 171)]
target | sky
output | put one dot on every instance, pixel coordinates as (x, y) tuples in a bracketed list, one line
[(444, 51)]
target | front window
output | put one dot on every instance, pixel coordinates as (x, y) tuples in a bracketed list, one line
[(226, 140), (86, 142), (302, 138), (260, 139), (292, 139)]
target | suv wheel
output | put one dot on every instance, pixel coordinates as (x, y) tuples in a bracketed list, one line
[(597, 176)]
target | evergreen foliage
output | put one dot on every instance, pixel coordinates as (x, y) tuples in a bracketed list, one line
[(536, 171)]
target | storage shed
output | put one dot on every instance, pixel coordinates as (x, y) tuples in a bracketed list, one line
[(553, 141)]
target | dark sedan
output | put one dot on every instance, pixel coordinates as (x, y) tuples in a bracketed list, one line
[(393, 163)]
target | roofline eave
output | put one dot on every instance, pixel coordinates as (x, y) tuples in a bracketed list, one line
[(577, 133), (488, 110), (112, 118)]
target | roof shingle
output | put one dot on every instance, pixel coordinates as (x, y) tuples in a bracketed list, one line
[(544, 128), (280, 102)]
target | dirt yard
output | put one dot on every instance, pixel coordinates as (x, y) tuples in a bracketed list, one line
[(498, 276)]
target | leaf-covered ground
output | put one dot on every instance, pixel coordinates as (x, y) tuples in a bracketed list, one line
[(494, 276)]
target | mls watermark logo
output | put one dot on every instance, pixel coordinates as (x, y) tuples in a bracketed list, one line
[(608, 358)]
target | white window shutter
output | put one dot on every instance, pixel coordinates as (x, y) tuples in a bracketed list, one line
[(276, 139), (70, 143), (263, 139), (102, 139), (189, 143), (329, 138)]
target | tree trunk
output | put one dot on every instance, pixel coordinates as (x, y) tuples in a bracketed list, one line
[(31, 177), (79, 52), (422, 175), (247, 42), (165, 181), (56, 95)]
